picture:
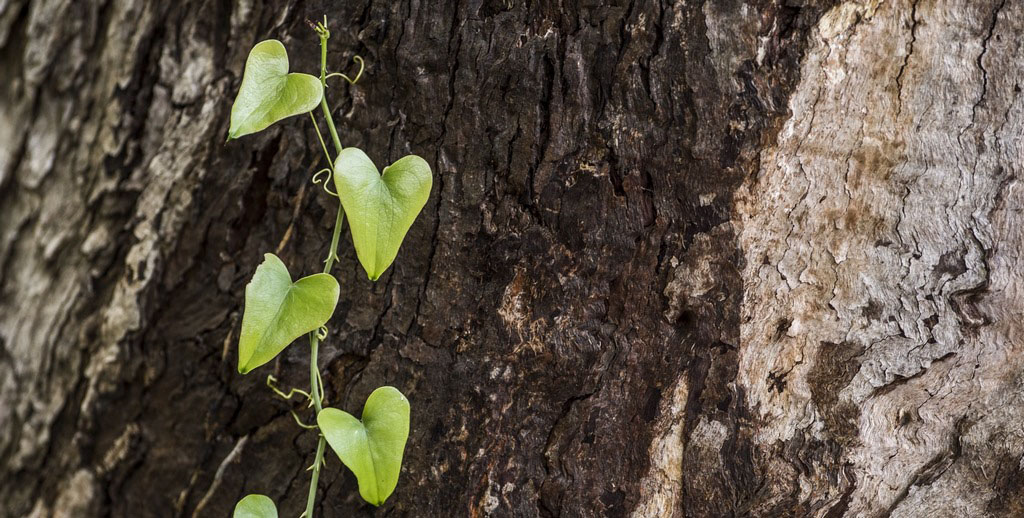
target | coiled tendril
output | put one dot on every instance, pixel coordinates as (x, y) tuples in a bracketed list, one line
[(317, 179), (359, 74)]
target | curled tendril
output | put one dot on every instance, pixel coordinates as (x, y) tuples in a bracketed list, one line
[(300, 423), (322, 333), (362, 65), (317, 179), (320, 382), (271, 380)]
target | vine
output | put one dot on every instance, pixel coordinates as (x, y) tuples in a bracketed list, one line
[(381, 207)]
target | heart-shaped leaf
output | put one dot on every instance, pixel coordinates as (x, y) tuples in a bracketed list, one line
[(269, 93), (277, 311), (380, 207), (255, 506), (371, 448)]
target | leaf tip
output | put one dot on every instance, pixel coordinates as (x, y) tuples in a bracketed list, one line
[(236, 133), (372, 273)]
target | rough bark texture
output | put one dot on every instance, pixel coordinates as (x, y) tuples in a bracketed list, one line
[(682, 259)]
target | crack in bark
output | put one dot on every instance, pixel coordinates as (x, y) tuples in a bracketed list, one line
[(981, 64), (906, 59)]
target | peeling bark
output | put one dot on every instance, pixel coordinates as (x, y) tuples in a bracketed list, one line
[(682, 259)]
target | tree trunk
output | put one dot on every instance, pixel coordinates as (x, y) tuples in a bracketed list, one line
[(682, 259)]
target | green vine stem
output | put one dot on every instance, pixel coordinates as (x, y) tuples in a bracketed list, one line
[(314, 341), (314, 371), (324, 36)]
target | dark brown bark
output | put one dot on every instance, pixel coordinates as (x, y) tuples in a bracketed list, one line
[(628, 295)]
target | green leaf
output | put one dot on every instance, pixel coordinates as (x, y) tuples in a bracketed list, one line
[(371, 448), (380, 208), (255, 506), (269, 93), (277, 311)]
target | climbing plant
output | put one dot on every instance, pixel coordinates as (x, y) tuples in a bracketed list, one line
[(381, 207)]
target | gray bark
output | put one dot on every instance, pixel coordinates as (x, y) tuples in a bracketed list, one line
[(682, 259)]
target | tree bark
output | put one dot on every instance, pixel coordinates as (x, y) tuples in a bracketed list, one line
[(682, 259)]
